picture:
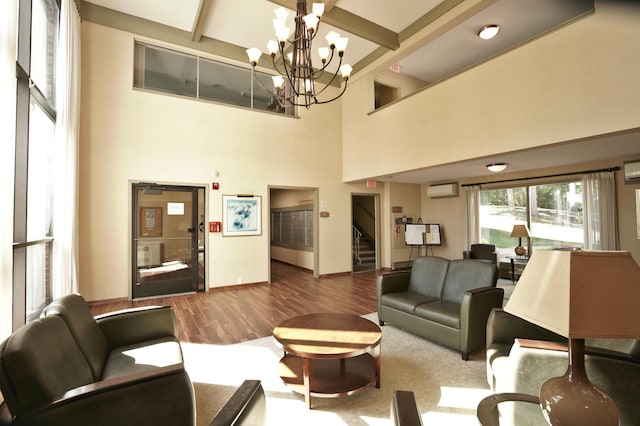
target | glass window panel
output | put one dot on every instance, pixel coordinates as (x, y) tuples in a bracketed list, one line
[(556, 215), (44, 33), (37, 278), (500, 209), (39, 174), (167, 71)]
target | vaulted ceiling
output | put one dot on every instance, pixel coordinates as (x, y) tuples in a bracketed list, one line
[(428, 40)]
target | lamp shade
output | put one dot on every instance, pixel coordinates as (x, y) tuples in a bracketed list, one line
[(520, 231), (580, 294)]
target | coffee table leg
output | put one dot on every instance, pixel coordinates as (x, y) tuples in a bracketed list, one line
[(378, 361), (306, 375)]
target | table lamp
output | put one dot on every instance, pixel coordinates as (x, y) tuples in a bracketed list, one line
[(579, 294), (520, 231)]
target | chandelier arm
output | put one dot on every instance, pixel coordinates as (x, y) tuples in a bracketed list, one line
[(275, 95), (331, 81), (336, 97)]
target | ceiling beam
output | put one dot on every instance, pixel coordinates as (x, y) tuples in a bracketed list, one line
[(133, 24), (353, 24), (200, 20), (328, 5)]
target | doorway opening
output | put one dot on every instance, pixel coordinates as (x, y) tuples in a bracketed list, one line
[(168, 240), (293, 227), (364, 232)]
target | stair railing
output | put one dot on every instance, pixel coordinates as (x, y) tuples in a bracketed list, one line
[(356, 244)]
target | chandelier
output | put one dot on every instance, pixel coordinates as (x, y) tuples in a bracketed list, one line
[(292, 58)]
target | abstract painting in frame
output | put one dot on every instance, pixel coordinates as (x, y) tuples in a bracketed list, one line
[(241, 215)]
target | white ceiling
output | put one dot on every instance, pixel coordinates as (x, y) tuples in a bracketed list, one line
[(372, 27)]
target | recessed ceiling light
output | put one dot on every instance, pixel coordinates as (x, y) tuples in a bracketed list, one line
[(489, 32), (496, 167)]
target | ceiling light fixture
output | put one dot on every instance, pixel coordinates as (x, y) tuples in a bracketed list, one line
[(296, 67), (496, 167), (488, 32)]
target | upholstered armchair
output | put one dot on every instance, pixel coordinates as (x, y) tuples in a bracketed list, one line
[(485, 252), (123, 368)]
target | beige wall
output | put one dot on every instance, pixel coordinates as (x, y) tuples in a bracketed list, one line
[(576, 82), (131, 135)]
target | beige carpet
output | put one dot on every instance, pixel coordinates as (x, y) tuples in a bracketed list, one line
[(447, 389)]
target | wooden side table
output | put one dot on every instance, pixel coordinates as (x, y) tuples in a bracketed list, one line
[(516, 259), (329, 354)]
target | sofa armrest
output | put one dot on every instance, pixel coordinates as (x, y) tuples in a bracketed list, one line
[(474, 311), (393, 282), (247, 406), (162, 395), (131, 326), (503, 328), (404, 409)]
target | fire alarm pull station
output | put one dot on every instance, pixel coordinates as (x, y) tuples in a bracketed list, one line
[(214, 226), (215, 185)]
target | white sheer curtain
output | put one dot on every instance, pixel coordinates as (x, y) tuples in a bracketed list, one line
[(65, 209), (599, 211), (472, 194)]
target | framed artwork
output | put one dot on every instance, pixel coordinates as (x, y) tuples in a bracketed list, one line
[(241, 215), (150, 222)]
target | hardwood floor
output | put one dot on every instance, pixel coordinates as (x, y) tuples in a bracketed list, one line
[(234, 314)]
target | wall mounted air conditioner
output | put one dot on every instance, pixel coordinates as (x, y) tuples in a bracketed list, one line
[(443, 190), (632, 172)]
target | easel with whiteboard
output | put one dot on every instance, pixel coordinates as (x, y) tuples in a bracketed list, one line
[(422, 235)]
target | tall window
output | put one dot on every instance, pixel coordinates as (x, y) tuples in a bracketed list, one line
[(36, 116), (553, 213)]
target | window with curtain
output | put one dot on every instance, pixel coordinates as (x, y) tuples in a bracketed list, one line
[(552, 211), (35, 140)]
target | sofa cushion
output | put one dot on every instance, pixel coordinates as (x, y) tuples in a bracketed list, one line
[(442, 312), (73, 309), (427, 276), (142, 357), (39, 362), (405, 301), (466, 275)]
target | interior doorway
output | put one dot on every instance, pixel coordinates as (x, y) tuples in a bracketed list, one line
[(365, 232), (168, 240), (293, 227)]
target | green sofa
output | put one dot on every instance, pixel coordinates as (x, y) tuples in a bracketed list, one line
[(445, 301), (522, 365), (123, 368)]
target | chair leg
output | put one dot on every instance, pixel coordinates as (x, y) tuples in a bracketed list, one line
[(381, 323), (465, 356)]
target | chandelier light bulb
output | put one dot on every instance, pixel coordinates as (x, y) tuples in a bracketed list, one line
[(311, 21), (318, 9), (345, 71), (272, 47), (282, 34), (278, 81), (308, 86), (254, 55), (341, 44), (332, 38), (282, 13), (324, 53)]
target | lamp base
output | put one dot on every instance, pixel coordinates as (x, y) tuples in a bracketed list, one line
[(521, 251), (573, 400)]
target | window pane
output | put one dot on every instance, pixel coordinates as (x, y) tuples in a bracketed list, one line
[(556, 215), (166, 71), (37, 277), (500, 209), (44, 33), (39, 174)]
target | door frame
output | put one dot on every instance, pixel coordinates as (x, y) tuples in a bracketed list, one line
[(131, 228)]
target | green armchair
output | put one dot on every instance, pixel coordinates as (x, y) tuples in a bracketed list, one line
[(123, 368)]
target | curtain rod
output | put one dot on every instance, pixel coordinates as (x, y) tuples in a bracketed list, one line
[(610, 169)]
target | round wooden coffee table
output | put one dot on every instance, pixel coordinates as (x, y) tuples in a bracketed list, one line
[(328, 354)]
